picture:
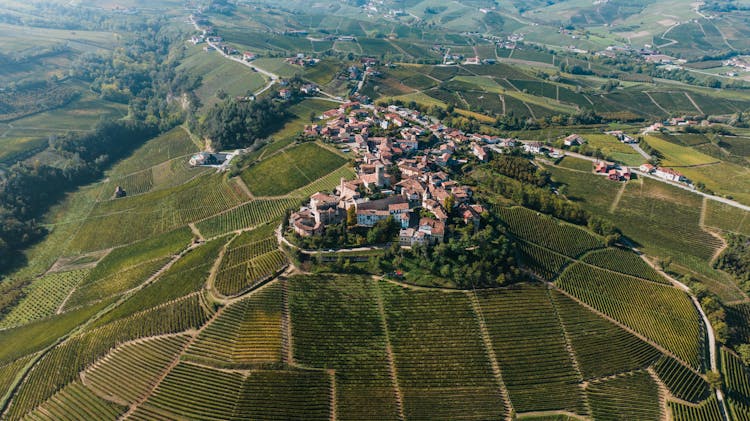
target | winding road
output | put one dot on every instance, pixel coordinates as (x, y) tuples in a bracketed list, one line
[(689, 188), (273, 78)]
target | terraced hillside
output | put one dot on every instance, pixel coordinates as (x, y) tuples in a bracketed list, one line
[(312, 346)]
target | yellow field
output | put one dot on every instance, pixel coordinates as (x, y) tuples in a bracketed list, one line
[(678, 156)]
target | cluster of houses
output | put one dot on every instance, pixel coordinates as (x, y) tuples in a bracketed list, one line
[(613, 171), (664, 173), (622, 136), (738, 62), (302, 60), (415, 195)]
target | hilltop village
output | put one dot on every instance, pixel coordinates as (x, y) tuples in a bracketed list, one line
[(403, 160)]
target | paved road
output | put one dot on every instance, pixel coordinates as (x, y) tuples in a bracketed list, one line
[(689, 188), (638, 149), (272, 76)]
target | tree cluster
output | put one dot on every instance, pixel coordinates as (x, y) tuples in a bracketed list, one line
[(240, 124)]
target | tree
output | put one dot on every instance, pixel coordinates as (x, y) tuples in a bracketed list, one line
[(744, 351), (351, 216), (714, 379), (665, 263), (448, 203)]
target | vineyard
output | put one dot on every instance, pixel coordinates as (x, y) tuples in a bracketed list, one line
[(548, 232), (682, 382), (245, 266), (43, 297), (245, 333), (336, 324), (736, 380), (96, 289), (632, 396), (626, 262), (72, 356), (706, 411), (457, 373), (543, 262), (291, 169), (659, 312), (74, 403), (164, 175), (130, 371), (530, 346), (739, 316), (203, 393), (154, 213), (665, 220), (170, 145), (326, 183), (247, 215), (601, 347), (727, 218)]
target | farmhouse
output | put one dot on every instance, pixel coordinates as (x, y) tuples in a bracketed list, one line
[(647, 168), (613, 171), (204, 158), (669, 174), (305, 224), (120, 192), (534, 147), (573, 140), (622, 137)]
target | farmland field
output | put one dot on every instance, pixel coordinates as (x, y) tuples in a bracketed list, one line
[(641, 306), (291, 169)]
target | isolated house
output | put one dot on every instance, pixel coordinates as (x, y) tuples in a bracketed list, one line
[(668, 174), (573, 140)]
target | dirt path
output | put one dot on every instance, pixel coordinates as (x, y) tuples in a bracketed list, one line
[(618, 196), (65, 301), (194, 335), (663, 393), (530, 110), (656, 103), (215, 271), (512, 85), (390, 356), (540, 414), (692, 101), (502, 100), (287, 341), (490, 350), (334, 396), (702, 225), (241, 183), (196, 232)]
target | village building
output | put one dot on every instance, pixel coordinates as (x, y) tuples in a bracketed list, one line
[(479, 151), (573, 140), (535, 147), (668, 174), (120, 192), (647, 168)]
